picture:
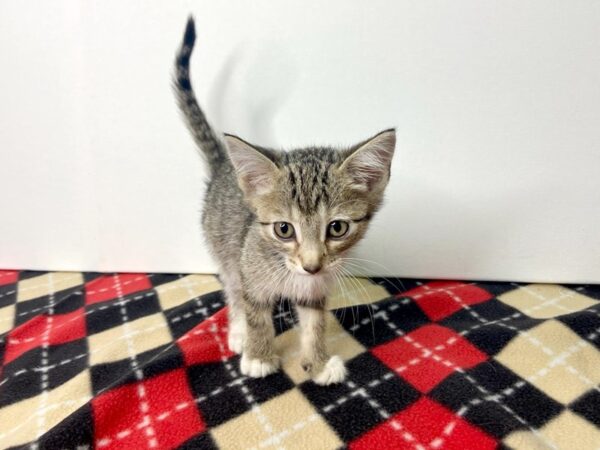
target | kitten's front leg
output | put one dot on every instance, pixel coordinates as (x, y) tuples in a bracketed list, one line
[(236, 335), (259, 358), (315, 360)]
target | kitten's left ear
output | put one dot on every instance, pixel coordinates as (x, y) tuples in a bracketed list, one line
[(255, 172), (368, 166)]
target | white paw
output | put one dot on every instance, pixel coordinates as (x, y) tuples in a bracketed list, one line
[(236, 337), (334, 372), (256, 368)]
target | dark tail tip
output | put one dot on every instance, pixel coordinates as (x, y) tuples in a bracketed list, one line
[(183, 56), (190, 32)]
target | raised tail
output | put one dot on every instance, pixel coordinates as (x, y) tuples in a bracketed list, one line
[(195, 119)]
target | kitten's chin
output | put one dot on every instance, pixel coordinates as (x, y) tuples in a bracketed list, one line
[(307, 287)]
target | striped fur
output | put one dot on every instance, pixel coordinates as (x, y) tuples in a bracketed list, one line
[(203, 134)]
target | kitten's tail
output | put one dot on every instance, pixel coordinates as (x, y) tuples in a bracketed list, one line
[(194, 117)]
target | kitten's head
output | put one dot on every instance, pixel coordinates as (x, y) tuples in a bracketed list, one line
[(314, 204)]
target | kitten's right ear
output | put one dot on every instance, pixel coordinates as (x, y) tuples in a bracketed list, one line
[(256, 173)]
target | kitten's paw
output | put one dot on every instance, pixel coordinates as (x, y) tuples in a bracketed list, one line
[(236, 337), (257, 368), (334, 372)]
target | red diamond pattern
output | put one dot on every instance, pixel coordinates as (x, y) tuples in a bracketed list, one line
[(163, 414), (61, 329), (110, 287), (428, 355), (8, 277), (206, 342), (440, 299), (425, 424)]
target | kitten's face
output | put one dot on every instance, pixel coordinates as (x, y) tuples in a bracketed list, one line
[(312, 240), (314, 204)]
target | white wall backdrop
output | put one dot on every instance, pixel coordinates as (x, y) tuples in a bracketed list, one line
[(497, 106)]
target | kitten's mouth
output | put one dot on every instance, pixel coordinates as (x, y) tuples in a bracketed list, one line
[(312, 275), (298, 270)]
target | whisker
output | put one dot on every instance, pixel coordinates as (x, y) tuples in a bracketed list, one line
[(345, 296), (362, 289), (356, 286), (349, 261), (343, 310)]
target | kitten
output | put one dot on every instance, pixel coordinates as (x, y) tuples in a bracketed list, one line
[(278, 224)]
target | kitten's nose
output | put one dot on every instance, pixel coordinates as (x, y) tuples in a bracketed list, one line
[(312, 269)]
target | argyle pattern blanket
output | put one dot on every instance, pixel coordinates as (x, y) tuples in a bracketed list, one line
[(138, 361)]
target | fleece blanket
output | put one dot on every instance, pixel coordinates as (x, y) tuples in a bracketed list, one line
[(137, 361)]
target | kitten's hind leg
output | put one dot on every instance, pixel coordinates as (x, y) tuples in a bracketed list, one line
[(236, 335), (315, 360), (259, 358)]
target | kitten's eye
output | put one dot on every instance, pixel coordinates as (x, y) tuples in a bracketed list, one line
[(284, 230), (337, 229)]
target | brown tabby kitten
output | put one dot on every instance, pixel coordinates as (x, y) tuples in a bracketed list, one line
[(277, 224)]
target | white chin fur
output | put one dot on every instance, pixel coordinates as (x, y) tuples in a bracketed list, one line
[(305, 287)]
